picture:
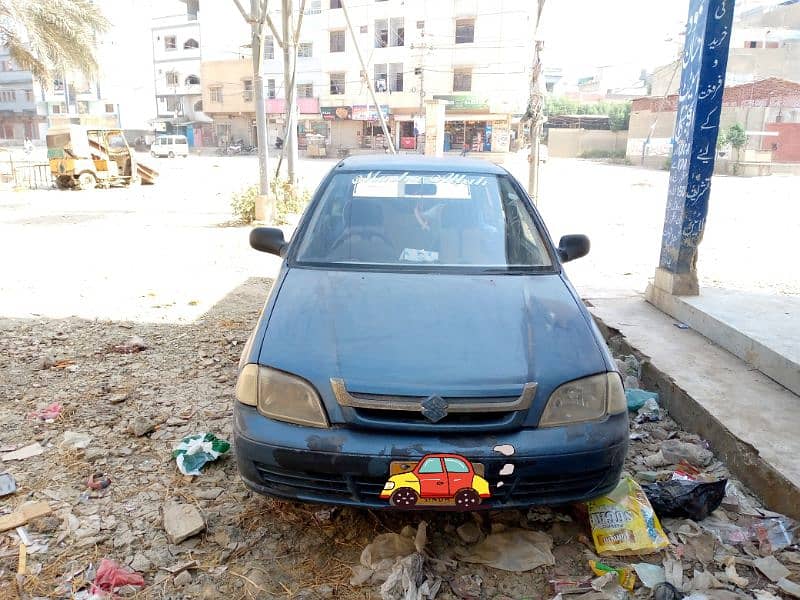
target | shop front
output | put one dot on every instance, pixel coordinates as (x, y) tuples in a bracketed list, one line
[(310, 122), (356, 127), (471, 126)]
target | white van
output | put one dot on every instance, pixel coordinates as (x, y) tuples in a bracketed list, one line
[(170, 145)]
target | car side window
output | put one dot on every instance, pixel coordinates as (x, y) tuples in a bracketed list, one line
[(454, 465), (431, 465)]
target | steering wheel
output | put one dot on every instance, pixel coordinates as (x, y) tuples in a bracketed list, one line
[(367, 234)]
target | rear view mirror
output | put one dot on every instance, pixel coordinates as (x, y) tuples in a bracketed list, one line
[(268, 239), (573, 246)]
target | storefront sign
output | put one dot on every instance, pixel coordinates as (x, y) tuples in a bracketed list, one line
[(362, 112), (463, 101), (337, 113)]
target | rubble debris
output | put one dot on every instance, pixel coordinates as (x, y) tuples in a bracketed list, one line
[(789, 587), (703, 580), (637, 397), (650, 575), (8, 484), (467, 587), (572, 585), (469, 532), (731, 574), (25, 452), (181, 521), (76, 440), (131, 346), (194, 451), (141, 426), (623, 522), (512, 550), (771, 567), (110, 576), (688, 499), (27, 512), (48, 413), (676, 451)]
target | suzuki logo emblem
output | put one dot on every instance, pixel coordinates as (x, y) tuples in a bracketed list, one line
[(434, 408)]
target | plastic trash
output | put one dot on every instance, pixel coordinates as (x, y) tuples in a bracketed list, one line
[(47, 413), (8, 484), (111, 576), (666, 591), (676, 451), (685, 499), (623, 522), (194, 451), (650, 575), (775, 533), (512, 550), (625, 576), (636, 398), (649, 412)]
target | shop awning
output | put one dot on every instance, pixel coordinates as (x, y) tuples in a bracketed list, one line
[(475, 117)]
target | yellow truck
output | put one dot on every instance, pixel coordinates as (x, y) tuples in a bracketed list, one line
[(87, 158)]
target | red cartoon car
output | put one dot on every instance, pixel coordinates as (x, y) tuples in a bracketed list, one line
[(441, 478)]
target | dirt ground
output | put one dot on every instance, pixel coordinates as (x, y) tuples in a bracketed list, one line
[(252, 547)]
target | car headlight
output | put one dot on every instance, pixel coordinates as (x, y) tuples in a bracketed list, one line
[(587, 399), (389, 485), (280, 396)]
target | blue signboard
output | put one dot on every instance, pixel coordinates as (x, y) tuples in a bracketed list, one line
[(705, 58)]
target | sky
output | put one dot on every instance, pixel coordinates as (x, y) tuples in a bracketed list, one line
[(580, 35)]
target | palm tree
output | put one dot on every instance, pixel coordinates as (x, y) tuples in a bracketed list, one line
[(50, 36)]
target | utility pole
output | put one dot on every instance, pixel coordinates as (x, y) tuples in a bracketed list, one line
[(367, 78), (535, 106), (422, 48), (289, 47), (257, 19)]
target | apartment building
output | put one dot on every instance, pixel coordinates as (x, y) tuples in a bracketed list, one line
[(474, 54), (18, 116)]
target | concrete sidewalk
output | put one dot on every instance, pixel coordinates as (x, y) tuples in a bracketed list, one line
[(751, 421)]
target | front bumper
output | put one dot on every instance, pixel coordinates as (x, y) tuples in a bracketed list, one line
[(350, 466)]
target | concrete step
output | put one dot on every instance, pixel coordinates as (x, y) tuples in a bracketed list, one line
[(749, 419), (761, 329)]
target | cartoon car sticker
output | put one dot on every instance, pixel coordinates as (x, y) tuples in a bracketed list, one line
[(440, 479)]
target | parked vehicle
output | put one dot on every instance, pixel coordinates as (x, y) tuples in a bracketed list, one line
[(422, 312), (85, 158), (278, 142), (170, 146)]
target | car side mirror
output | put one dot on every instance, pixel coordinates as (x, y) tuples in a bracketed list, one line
[(269, 239), (573, 246)]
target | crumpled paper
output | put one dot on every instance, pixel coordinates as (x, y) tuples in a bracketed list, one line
[(193, 452), (512, 550)]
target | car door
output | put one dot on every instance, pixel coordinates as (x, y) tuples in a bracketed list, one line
[(459, 475), (432, 478)]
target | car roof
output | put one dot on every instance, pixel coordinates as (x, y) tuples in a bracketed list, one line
[(413, 162)]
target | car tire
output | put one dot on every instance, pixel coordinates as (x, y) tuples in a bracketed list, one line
[(466, 499), (171, 154), (404, 498), (87, 181), (153, 154), (64, 182)]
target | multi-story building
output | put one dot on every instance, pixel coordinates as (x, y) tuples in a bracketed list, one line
[(18, 116), (475, 54), (177, 74)]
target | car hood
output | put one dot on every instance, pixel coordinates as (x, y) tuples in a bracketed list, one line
[(420, 334)]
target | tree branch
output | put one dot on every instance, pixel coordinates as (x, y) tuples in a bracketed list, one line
[(299, 21), (274, 31)]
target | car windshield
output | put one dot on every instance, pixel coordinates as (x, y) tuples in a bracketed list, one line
[(422, 219)]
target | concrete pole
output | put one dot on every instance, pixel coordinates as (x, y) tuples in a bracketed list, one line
[(264, 207), (369, 81), (705, 58), (535, 106), (290, 89)]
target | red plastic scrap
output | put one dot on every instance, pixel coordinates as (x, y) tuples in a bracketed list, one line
[(47, 413), (111, 576)]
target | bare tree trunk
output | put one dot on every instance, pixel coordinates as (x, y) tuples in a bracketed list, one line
[(290, 89), (257, 43)]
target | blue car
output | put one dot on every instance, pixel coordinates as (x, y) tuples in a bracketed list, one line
[(422, 347)]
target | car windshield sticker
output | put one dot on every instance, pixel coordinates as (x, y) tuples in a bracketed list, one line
[(436, 480), (419, 256)]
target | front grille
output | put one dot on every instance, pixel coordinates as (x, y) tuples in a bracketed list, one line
[(383, 418), (524, 489), (334, 485)]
